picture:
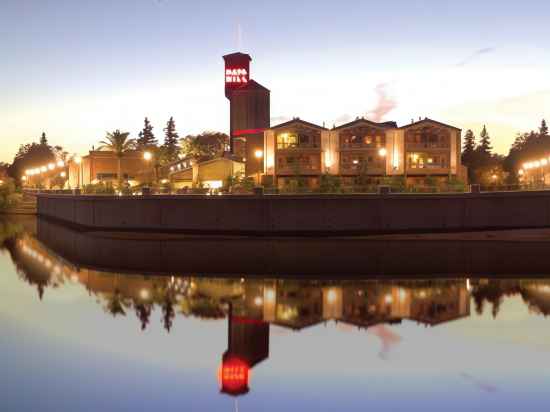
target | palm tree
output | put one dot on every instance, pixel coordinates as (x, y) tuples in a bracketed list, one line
[(119, 143)]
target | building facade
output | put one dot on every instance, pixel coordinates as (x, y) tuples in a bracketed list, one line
[(422, 149)]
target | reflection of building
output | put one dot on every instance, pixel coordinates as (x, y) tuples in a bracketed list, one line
[(298, 149)]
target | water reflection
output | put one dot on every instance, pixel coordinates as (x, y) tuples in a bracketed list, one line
[(253, 305)]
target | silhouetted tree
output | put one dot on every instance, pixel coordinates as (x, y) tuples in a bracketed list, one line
[(469, 153), (485, 148), (171, 140), (168, 312), (543, 130), (143, 312), (43, 139), (146, 139)]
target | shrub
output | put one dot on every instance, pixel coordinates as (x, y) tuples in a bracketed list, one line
[(8, 196), (100, 188)]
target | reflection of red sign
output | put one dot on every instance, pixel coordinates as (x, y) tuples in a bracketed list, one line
[(233, 376), (236, 76)]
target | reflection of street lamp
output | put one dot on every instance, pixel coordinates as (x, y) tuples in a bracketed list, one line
[(259, 154), (78, 162), (382, 153)]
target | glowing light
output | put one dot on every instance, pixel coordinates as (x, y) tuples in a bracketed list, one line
[(259, 154), (51, 166), (24, 178), (355, 161), (402, 294), (258, 301), (63, 174), (236, 76), (43, 169), (144, 294), (388, 299), (147, 156), (521, 172), (468, 285), (164, 181), (543, 162), (60, 163), (331, 296), (234, 376), (78, 159), (270, 295), (382, 152), (494, 177)]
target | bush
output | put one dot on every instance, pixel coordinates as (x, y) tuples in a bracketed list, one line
[(8, 196), (100, 188), (330, 184)]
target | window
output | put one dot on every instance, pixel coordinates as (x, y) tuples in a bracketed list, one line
[(362, 137), (354, 162), (420, 160), (428, 137), (287, 140)]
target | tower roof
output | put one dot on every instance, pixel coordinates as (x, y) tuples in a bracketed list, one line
[(237, 56)]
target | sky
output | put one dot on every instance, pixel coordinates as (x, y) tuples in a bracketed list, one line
[(76, 70)]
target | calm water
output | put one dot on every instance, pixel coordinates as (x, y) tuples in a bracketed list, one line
[(79, 337)]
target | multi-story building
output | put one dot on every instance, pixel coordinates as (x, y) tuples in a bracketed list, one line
[(422, 149)]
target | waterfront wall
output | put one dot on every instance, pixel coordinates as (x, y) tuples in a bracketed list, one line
[(307, 215), (311, 257)]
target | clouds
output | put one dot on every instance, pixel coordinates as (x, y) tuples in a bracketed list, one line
[(475, 55), (482, 386), (384, 105)]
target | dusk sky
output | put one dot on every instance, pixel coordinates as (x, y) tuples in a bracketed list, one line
[(76, 69)]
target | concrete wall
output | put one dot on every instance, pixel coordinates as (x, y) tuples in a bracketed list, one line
[(290, 256), (303, 214)]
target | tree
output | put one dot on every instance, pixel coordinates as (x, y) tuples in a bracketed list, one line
[(469, 146), (43, 139), (146, 139), (543, 129), (469, 153), (204, 146), (30, 156), (485, 147), (171, 140), (119, 143)]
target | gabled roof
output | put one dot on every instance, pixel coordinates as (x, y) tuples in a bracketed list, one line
[(251, 85), (237, 55), (297, 120), (426, 120), (384, 125)]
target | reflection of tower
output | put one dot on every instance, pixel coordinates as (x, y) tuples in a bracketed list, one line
[(249, 110), (248, 345)]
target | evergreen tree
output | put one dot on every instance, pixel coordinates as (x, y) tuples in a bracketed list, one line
[(146, 139), (469, 146), (543, 130), (171, 140), (485, 147), (43, 139)]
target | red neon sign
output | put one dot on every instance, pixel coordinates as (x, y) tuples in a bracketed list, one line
[(236, 76), (234, 375)]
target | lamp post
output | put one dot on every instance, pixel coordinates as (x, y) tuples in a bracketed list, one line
[(259, 154), (78, 162)]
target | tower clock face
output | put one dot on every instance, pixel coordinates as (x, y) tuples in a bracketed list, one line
[(236, 76)]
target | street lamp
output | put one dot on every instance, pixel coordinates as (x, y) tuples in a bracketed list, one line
[(259, 154)]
